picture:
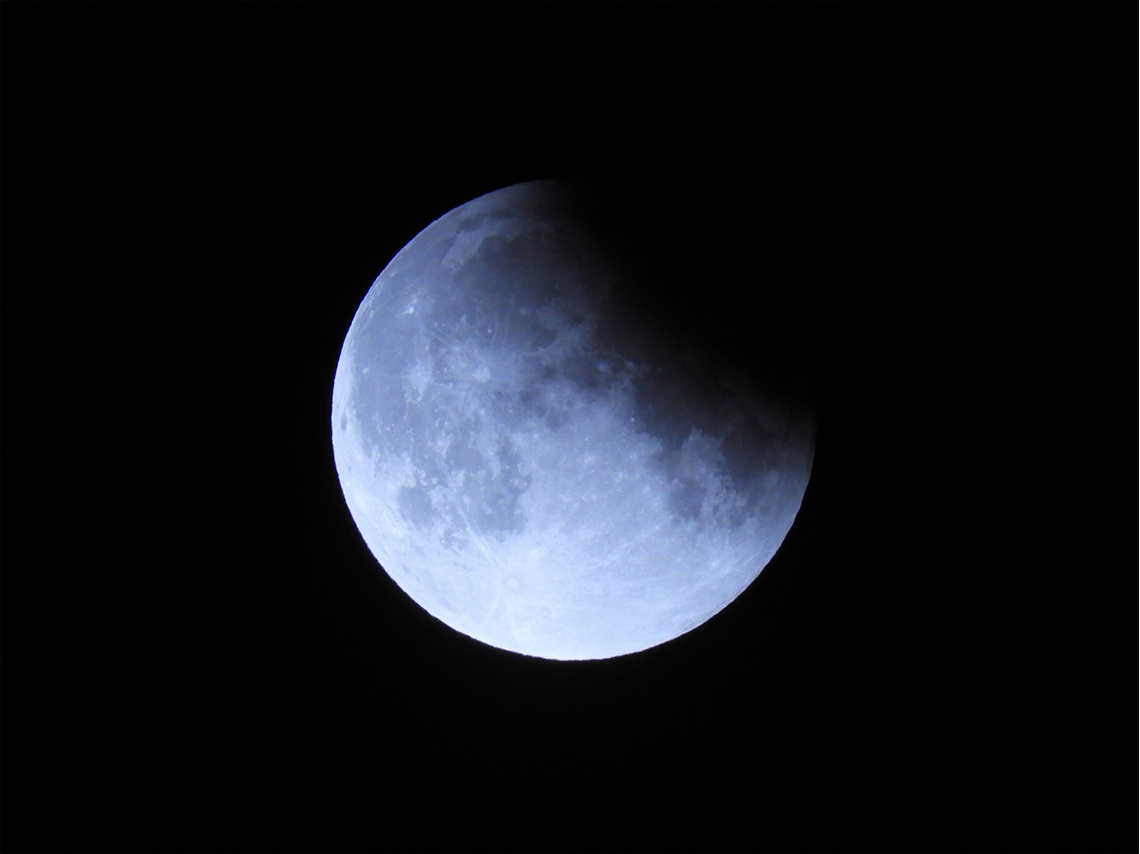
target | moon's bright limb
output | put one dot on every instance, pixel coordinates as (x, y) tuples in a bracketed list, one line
[(536, 465)]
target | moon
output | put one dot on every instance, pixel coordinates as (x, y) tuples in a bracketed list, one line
[(535, 457)]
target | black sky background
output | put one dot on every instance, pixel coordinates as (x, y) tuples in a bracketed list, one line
[(200, 653)]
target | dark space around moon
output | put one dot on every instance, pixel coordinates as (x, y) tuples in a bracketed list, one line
[(293, 698), (207, 657)]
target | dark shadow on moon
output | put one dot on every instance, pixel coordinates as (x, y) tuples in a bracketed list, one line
[(714, 268)]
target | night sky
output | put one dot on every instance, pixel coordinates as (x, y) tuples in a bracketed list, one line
[(212, 660)]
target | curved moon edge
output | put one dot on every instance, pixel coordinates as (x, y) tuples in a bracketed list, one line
[(534, 466)]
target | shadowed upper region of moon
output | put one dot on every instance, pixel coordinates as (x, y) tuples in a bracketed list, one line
[(713, 269), (546, 438)]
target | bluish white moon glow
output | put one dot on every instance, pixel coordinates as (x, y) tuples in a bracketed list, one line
[(536, 464)]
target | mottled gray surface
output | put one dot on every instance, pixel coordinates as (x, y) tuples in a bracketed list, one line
[(532, 463)]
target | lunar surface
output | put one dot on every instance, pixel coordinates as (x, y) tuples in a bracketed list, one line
[(536, 463)]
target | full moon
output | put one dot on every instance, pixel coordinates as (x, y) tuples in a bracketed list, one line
[(535, 457)]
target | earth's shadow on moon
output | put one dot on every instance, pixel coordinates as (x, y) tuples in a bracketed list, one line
[(717, 268)]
